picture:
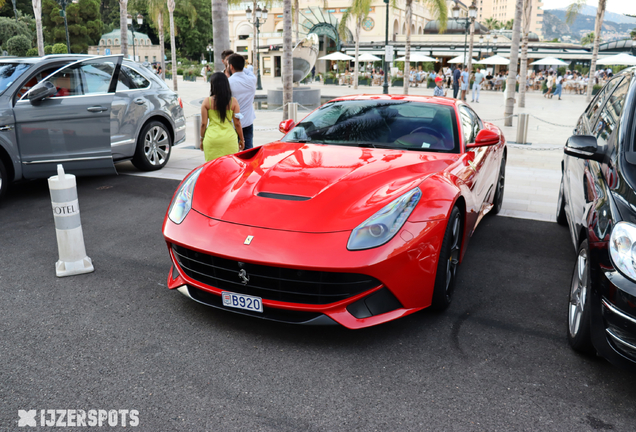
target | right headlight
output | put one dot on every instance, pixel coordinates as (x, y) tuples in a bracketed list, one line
[(182, 201), (622, 248)]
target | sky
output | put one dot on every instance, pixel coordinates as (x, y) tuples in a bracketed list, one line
[(617, 6)]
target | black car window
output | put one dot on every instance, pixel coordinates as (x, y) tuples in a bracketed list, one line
[(599, 100), (140, 81), (610, 115), (124, 82), (83, 78), (470, 123), (395, 124), (9, 72)]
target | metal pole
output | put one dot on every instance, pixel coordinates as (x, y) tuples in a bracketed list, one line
[(258, 57), (132, 25), (15, 9), (385, 86), (465, 41), (68, 43)]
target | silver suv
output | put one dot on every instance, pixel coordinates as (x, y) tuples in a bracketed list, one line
[(84, 112)]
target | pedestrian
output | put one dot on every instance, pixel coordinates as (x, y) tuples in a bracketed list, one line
[(220, 120), (559, 86), (313, 74), (456, 75), (224, 55), (463, 80), (439, 87), (159, 70), (550, 84), (479, 79), (243, 88)]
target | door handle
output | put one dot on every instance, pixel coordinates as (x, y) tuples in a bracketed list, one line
[(96, 109), (139, 101), (5, 128)]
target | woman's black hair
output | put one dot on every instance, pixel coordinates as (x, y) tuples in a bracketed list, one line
[(220, 89)]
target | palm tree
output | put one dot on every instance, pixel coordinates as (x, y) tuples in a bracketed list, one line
[(288, 72), (527, 9), (358, 11), (508, 25), (491, 23), (156, 8), (632, 34), (123, 26), (221, 31), (37, 11), (570, 15), (439, 11), (512, 72), (173, 47), (588, 38), (296, 18)]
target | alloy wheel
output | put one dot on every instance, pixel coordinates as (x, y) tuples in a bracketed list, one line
[(156, 145), (578, 293), (453, 259)]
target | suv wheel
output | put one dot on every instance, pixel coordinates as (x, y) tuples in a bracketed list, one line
[(579, 303), (4, 180), (153, 147)]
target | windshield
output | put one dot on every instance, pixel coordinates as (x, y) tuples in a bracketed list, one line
[(9, 72), (395, 124)]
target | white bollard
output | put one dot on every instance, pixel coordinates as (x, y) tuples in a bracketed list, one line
[(68, 226)]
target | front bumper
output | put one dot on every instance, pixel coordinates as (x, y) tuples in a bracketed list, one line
[(405, 267), (613, 318)]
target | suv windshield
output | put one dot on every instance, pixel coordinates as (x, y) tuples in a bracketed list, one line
[(403, 125), (9, 72)]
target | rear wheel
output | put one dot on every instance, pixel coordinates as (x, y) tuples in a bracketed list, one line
[(560, 216), (4, 180), (499, 192), (579, 303), (153, 147), (448, 262)]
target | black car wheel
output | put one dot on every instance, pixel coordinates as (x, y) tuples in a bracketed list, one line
[(499, 192), (448, 262), (560, 216), (579, 303), (153, 147), (4, 181)]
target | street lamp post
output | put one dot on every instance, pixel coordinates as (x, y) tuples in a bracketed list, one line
[(131, 23), (472, 14), (209, 49), (256, 20), (385, 86), (64, 3), (481, 42)]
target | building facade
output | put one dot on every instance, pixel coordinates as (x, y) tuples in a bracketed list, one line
[(504, 10), (143, 49)]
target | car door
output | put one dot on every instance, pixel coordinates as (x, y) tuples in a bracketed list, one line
[(72, 127)]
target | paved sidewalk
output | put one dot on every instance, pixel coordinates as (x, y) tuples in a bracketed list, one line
[(533, 171)]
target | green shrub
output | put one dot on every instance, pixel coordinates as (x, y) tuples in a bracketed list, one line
[(18, 45), (32, 52), (179, 71), (60, 48), (48, 49), (597, 88), (397, 81)]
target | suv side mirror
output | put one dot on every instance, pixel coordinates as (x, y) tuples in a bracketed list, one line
[(286, 125), (584, 147), (485, 137), (41, 91)]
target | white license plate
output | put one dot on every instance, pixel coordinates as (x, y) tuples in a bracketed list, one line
[(242, 301)]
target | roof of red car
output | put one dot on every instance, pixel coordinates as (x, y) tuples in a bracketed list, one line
[(411, 98)]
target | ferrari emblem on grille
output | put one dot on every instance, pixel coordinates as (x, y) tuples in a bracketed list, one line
[(244, 277), (248, 240)]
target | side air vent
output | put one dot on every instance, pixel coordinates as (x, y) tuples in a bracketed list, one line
[(283, 196)]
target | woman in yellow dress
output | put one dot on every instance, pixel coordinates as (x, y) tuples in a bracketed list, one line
[(221, 132)]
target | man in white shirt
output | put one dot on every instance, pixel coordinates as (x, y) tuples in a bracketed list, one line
[(243, 86)]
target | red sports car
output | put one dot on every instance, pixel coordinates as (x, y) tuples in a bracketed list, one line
[(359, 215)]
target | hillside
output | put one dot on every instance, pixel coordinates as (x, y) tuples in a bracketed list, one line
[(554, 25)]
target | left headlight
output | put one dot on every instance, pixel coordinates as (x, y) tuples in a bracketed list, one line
[(182, 201), (623, 248), (382, 226)]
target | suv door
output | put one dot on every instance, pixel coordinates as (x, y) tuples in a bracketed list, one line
[(73, 126)]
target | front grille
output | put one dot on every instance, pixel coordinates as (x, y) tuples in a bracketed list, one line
[(272, 283)]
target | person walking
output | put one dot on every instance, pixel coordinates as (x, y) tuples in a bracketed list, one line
[(456, 75), (479, 79), (550, 84), (243, 88), (559, 86), (220, 120), (463, 81)]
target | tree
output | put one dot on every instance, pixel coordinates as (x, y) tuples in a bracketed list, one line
[(221, 31), (632, 34), (508, 25), (512, 72), (84, 24), (18, 45), (358, 11), (60, 48), (296, 18), (156, 9), (572, 11), (439, 11), (527, 9), (173, 48), (491, 24), (587, 39), (123, 26), (9, 28), (288, 69), (37, 12)]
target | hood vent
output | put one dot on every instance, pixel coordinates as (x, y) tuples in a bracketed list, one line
[(283, 196)]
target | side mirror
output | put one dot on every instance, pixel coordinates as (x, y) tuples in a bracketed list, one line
[(485, 137), (286, 125), (41, 91), (584, 147)]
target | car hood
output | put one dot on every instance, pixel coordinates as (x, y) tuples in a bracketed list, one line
[(310, 187)]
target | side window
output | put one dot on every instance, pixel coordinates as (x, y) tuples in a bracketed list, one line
[(83, 78), (468, 124), (138, 79), (97, 77), (124, 82), (608, 119), (598, 102)]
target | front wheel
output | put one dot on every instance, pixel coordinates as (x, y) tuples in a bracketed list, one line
[(153, 147), (579, 303), (448, 262), (4, 181), (499, 192)]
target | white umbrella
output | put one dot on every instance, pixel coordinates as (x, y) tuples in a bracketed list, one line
[(367, 57), (459, 59), (336, 56), (494, 60), (622, 59), (550, 61), (416, 58)]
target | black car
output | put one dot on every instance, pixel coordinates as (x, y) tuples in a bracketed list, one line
[(597, 201)]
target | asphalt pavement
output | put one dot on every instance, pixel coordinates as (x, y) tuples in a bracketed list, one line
[(496, 360)]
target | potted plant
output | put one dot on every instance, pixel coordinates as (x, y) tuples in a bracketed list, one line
[(330, 78), (397, 81), (363, 80)]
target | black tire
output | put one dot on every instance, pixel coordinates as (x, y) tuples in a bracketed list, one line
[(579, 303), (497, 201), (561, 218), (154, 147), (448, 262), (4, 181)]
